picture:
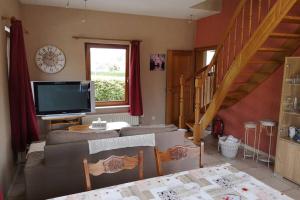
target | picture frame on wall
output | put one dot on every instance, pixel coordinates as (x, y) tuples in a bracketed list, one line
[(157, 62)]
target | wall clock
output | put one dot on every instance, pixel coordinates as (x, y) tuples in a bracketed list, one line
[(50, 59)]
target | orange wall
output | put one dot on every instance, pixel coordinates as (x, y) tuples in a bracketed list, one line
[(263, 102), (211, 29)]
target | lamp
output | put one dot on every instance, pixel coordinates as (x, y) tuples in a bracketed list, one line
[(190, 20), (83, 20)]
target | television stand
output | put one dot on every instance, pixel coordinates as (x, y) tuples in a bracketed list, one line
[(63, 116), (63, 121)]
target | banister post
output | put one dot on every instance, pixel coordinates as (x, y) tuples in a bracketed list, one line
[(196, 128), (181, 123), (215, 76)]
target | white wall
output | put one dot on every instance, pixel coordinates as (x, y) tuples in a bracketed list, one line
[(50, 25), (7, 8)]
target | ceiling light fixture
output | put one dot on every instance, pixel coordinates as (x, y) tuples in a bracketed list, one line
[(84, 16), (68, 4)]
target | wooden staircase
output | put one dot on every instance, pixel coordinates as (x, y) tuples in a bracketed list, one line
[(253, 47)]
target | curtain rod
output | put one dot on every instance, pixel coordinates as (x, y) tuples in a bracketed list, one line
[(98, 38), (5, 18)]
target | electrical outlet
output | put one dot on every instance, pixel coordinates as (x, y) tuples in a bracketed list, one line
[(153, 118)]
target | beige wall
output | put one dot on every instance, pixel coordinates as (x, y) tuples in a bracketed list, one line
[(7, 8), (49, 25)]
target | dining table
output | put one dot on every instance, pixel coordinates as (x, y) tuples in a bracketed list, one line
[(220, 182)]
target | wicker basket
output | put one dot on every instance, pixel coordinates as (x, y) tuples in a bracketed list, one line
[(229, 149)]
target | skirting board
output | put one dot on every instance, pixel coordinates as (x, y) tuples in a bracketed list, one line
[(261, 153)]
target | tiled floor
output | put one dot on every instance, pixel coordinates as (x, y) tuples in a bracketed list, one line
[(211, 157), (258, 170)]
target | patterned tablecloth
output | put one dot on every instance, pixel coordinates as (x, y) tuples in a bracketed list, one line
[(221, 182)]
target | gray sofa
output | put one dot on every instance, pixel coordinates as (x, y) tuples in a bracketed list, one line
[(58, 171)]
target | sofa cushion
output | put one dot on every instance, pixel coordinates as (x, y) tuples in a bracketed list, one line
[(138, 130), (63, 136)]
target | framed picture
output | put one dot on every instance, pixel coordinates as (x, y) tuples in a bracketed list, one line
[(157, 62)]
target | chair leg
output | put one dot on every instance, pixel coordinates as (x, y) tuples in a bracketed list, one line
[(201, 154), (254, 145), (270, 144), (158, 164), (87, 175), (259, 134), (245, 142), (141, 164)]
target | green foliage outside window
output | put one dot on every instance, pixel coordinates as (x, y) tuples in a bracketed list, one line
[(109, 90)]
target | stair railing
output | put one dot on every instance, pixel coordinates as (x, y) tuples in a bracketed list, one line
[(199, 95), (247, 17)]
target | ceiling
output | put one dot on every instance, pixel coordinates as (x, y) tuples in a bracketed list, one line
[(180, 9)]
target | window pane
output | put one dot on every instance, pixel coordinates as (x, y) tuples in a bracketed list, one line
[(209, 56), (108, 71)]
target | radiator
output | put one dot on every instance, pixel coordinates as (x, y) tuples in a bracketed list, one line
[(114, 117)]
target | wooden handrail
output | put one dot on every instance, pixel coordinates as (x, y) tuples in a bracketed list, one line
[(226, 53), (227, 57), (198, 72), (227, 32), (231, 24), (221, 44), (258, 35)]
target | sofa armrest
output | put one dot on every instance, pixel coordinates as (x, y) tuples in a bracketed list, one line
[(146, 129)]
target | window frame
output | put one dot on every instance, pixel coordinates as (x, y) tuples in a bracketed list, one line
[(88, 46), (7, 59)]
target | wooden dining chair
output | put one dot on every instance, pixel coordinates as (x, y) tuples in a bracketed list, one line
[(175, 153), (113, 164)]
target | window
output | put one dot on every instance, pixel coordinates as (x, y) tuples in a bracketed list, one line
[(208, 56), (107, 66), (7, 31)]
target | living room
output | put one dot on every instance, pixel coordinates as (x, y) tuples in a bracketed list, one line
[(179, 33)]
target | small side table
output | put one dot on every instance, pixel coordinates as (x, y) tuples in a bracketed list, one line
[(65, 121), (269, 127), (248, 127)]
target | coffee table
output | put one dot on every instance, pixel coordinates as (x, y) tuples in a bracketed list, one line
[(110, 126)]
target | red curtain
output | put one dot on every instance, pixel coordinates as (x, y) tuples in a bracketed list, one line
[(135, 95), (24, 126)]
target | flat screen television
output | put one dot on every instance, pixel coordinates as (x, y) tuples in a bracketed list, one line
[(63, 97)]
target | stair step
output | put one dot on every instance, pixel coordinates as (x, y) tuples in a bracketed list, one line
[(291, 19), (285, 35), (265, 49)]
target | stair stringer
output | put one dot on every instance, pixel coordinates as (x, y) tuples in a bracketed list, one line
[(264, 30), (265, 72)]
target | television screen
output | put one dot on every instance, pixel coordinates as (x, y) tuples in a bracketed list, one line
[(62, 97)]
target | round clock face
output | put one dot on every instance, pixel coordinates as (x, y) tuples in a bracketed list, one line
[(50, 59)]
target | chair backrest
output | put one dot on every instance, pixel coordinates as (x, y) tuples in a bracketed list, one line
[(175, 153), (111, 165)]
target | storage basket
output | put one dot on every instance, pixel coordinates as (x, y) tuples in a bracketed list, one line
[(229, 149)]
